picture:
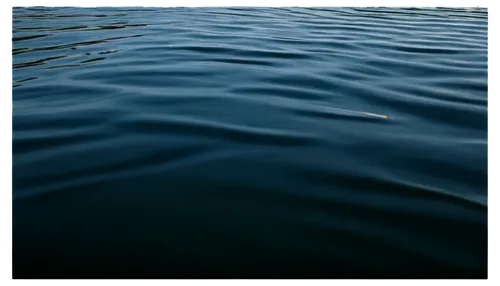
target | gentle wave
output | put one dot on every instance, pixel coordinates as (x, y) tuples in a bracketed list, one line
[(250, 142)]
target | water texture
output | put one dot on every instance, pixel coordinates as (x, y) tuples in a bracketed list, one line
[(250, 142)]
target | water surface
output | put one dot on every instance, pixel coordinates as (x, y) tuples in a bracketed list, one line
[(249, 143)]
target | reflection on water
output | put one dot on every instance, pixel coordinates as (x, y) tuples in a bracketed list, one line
[(249, 142)]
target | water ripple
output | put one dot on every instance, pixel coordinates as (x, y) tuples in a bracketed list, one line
[(250, 142)]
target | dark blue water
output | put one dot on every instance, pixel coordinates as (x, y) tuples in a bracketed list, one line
[(250, 143)]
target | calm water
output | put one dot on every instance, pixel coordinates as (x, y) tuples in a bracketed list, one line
[(249, 143)]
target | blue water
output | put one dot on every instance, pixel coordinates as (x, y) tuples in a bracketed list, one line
[(250, 142)]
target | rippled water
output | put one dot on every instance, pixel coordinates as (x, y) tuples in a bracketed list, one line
[(249, 143)]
